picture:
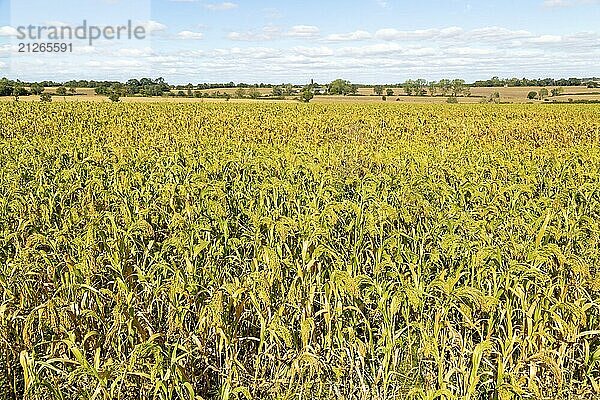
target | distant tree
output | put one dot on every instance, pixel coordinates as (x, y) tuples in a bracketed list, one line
[(409, 87), (378, 90), (459, 88), (277, 91), (543, 93), (389, 92), (556, 91), (420, 85), (383, 98), (114, 97), (340, 86), (433, 86), (494, 97), (307, 94), (240, 93), (288, 89), (181, 93), (532, 95), (36, 89), (102, 90), (445, 86), (61, 91), (496, 82), (254, 93), (18, 91), (5, 88), (45, 97), (72, 90)]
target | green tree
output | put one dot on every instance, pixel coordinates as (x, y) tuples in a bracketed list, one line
[(494, 98), (459, 88), (19, 91), (61, 91), (419, 86), (306, 95), (36, 89), (532, 95), (433, 86), (340, 87), (409, 87), (253, 93), (240, 93), (277, 91), (445, 85), (556, 91), (378, 90), (45, 97), (114, 97), (389, 92), (288, 90), (543, 93)]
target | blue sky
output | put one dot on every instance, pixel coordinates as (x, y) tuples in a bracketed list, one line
[(294, 41)]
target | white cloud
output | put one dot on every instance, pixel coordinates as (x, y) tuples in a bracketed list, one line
[(313, 51), (128, 52), (221, 6), (494, 33), (451, 31), (389, 54), (544, 39), (153, 26), (303, 31), (470, 51), (8, 31), (271, 32), (395, 34), (348, 37), (248, 36), (190, 35), (4, 48), (267, 33)]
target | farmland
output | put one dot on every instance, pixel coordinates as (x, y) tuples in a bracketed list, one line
[(232, 251), (364, 95)]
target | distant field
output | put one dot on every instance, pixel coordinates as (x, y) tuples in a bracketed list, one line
[(365, 95)]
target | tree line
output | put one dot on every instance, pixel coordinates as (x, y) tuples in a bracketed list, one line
[(516, 82), (148, 87), (422, 87)]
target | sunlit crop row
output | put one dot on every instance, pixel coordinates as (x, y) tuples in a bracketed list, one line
[(171, 251)]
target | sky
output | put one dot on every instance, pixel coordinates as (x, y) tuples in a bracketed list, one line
[(364, 41)]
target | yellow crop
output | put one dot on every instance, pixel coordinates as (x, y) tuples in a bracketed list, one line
[(171, 251)]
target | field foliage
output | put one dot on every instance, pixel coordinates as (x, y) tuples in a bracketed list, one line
[(173, 251)]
